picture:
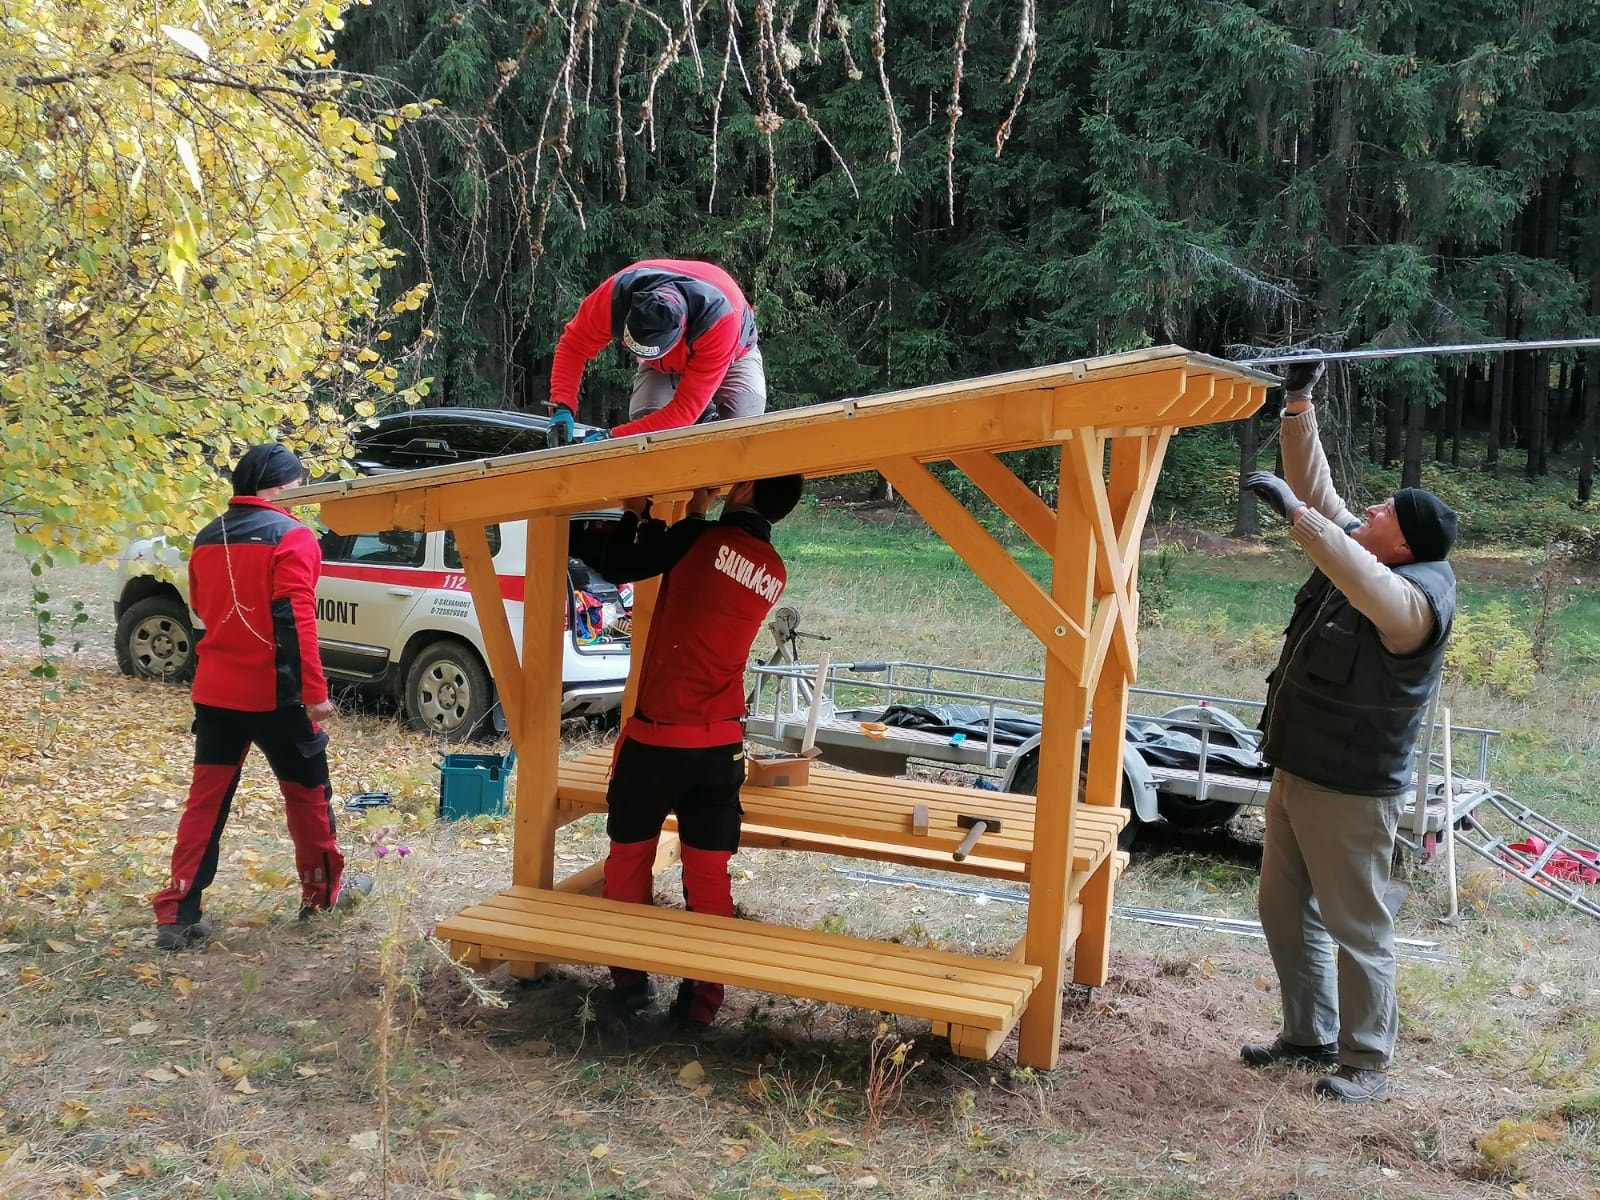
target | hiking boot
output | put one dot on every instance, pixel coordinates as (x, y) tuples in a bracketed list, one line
[(1352, 1085), (353, 890), (178, 937), (636, 997), (1266, 1054), (684, 1012)]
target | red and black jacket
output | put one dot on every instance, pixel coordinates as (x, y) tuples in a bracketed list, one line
[(720, 580), (720, 330), (253, 584)]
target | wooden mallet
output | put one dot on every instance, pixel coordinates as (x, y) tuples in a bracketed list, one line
[(976, 827)]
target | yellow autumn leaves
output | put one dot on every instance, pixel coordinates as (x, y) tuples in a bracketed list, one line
[(189, 259)]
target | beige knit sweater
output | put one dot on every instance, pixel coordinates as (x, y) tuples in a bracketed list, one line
[(1391, 602)]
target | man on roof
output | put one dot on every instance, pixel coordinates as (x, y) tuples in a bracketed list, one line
[(692, 334)]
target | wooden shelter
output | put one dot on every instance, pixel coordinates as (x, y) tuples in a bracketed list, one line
[(1112, 418)]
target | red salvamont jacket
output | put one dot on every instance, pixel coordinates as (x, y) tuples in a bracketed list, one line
[(719, 581), (253, 584), (720, 330)]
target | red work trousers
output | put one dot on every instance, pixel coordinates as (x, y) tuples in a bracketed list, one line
[(297, 752), (701, 785)]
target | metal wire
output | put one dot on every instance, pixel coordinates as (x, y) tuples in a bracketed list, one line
[(1278, 360), (1237, 926)]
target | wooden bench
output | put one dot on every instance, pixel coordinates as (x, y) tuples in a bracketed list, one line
[(863, 816), (975, 1001)]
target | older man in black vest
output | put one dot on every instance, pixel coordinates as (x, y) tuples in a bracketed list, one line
[(1361, 656)]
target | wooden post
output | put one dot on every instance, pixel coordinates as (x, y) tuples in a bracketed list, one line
[(544, 604), (1091, 957), (1066, 707)]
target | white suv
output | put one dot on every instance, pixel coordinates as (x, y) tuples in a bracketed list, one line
[(393, 609)]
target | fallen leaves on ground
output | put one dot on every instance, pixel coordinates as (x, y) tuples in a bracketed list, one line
[(93, 781)]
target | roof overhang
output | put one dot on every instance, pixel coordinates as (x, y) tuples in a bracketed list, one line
[(1162, 387)]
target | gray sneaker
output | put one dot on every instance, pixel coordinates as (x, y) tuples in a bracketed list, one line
[(354, 888), (179, 937), (1266, 1054), (1352, 1085)]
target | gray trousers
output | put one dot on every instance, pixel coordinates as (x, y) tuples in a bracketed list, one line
[(742, 392), (1323, 874)]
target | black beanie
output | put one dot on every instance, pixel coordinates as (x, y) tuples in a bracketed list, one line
[(654, 323), (262, 467), (1427, 523)]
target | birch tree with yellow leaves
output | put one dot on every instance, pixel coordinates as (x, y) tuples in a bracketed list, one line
[(190, 257)]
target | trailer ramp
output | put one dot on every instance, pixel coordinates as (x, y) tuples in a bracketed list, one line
[(1550, 869)]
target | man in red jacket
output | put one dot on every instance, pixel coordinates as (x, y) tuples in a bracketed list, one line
[(252, 582), (683, 749), (691, 331)]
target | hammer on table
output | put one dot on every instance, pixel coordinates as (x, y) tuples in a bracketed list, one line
[(976, 827)]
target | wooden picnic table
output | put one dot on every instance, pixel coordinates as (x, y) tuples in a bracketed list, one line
[(1110, 418)]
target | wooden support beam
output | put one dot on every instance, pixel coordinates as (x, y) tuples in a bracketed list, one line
[(589, 880), (1135, 463), (1066, 705), (1057, 630), (1151, 402), (1135, 470), (828, 440), (1010, 495), (538, 727), (1111, 581), (585, 882), (670, 509), (489, 604)]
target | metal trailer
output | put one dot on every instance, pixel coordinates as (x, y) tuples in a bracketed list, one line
[(851, 733)]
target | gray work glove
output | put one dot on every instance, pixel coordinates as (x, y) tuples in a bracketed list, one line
[(1274, 491), (1302, 377)]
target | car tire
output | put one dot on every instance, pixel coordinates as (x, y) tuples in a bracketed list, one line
[(1025, 782), (155, 640), (448, 693)]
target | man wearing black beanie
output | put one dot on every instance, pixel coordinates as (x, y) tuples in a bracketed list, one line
[(258, 680), (692, 335), (1361, 657)]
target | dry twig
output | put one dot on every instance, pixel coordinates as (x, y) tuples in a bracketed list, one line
[(1027, 46), (879, 22), (954, 108)]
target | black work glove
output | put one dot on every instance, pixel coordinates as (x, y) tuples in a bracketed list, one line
[(1301, 377), (1277, 494)]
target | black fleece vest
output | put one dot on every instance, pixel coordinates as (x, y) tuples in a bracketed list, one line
[(1342, 711)]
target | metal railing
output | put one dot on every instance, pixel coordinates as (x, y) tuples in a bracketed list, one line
[(903, 680), (786, 707)]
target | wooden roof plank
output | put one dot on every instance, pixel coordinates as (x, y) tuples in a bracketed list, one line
[(1159, 387)]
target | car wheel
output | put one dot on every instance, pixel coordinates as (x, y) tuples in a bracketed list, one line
[(1025, 782), (155, 640), (448, 693), (1190, 813)]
